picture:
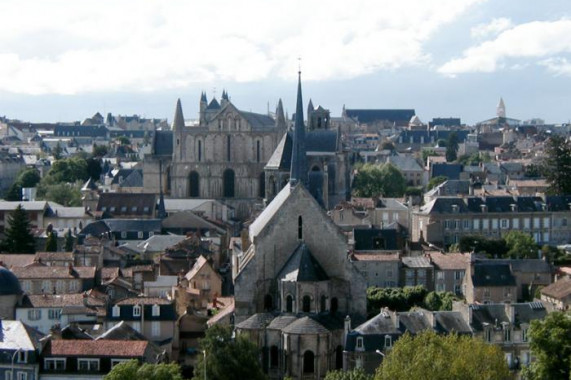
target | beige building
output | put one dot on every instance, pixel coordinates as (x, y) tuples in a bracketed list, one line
[(201, 284), (558, 294), (39, 279), (449, 271)]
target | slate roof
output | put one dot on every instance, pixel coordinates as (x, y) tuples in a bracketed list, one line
[(416, 262), (449, 261), (492, 274), (558, 202), (404, 163), (282, 321), (559, 289), (490, 314), (365, 239), (413, 322), (281, 157), (96, 348), (257, 120), (101, 227), (451, 321), (134, 179), (398, 116), (494, 204), (163, 143), (9, 283), (213, 105), (523, 265), (121, 331), (451, 171), (315, 141), (451, 187), (270, 211), (16, 335), (127, 203), (302, 266), (256, 322), (305, 326)]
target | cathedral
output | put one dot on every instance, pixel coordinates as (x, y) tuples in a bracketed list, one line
[(295, 284)]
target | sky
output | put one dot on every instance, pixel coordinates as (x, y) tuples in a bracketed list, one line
[(66, 60)]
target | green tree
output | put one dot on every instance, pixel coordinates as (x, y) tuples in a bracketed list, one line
[(481, 244), (550, 343), (123, 140), (443, 357), (63, 193), (99, 151), (368, 181), (227, 358), (557, 164), (14, 193), (388, 145), (133, 370), (427, 153), (51, 242), (394, 184), (356, 374), (398, 299), (26, 178), (69, 170), (18, 237), (435, 181), (474, 159), (94, 168), (442, 301), (452, 147), (57, 151), (521, 245), (69, 241)]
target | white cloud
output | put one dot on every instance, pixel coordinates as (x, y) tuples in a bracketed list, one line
[(557, 65), (495, 26), (538, 39), (70, 47)]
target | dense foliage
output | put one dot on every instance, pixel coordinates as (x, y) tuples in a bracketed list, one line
[(51, 242), (227, 358), (515, 245), (474, 159), (26, 178), (356, 374), (379, 180), (557, 164), (397, 299), (452, 147), (435, 181), (133, 370), (18, 237), (436, 301), (443, 357), (550, 343)]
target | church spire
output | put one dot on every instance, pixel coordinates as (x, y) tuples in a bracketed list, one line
[(178, 122), (298, 156), (501, 109)]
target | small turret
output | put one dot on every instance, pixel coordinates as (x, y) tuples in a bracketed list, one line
[(178, 121), (202, 108), (225, 99), (501, 109)]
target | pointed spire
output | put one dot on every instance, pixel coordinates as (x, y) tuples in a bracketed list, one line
[(310, 108), (280, 116), (178, 122), (298, 156), (501, 109)]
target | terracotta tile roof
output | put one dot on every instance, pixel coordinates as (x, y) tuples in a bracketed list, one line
[(376, 257), (10, 260), (49, 256), (450, 261), (97, 348), (144, 301), (54, 272), (109, 273), (559, 289), (59, 300)]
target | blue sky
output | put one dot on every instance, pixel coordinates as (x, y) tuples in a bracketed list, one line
[(65, 60)]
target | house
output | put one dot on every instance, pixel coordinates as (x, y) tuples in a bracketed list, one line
[(151, 316), (46, 311), (122, 229), (43, 279), (505, 325), (127, 205), (91, 359), (411, 170), (558, 294), (201, 285), (366, 345), (488, 282), (449, 271), (60, 259), (379, 269), (36, 211), (20, 350), (417, 270)]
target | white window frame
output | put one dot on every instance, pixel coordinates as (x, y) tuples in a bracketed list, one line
[(137, 310), (21, 375), (526, 223), (54, 314), (34, 314), (156, 311), (440, 275), (140, 234), (123, 234), (90, 362), (476, 224), (54, 361), (388, 341), (504, 223), (116, 311), (359, 345), (22, 357), (515, 223)]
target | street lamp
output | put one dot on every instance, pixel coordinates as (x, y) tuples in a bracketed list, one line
[(13, 358), (380, 353)]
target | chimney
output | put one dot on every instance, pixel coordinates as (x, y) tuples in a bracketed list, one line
[(85, 299), (510, 311), (346, 329)]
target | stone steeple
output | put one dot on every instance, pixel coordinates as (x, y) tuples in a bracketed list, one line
[(280, 116), (501, 109), (310, 109), (178, 122), (298, 156)]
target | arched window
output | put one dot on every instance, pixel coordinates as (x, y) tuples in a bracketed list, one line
[(274, 357), (308, 362), (268, 303), (299, 227), (199, 151), (323, 303), (306, 307), (193, 184), (258, 157), (262, 187), (289, 304), (339, 357), (334, 305), (228, 183)]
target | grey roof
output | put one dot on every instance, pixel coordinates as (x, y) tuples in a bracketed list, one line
[(413, 322), (214, 105), (305, 326), (491, 314), (302, 266), (134, 179), (9, 283), (523, 265), (382, 323), (89, 185), (257, 120), (399, 116), (451, 171), (375, 239), (405, 163), (451, 321), (492, 274), (270, 211), (315, 141), (451, 187), (281, 157), (256, 322), (416, 262), (16, 335), (163, 141), (282, 321)]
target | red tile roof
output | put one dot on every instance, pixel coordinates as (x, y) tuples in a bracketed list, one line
[(115, 348), (449, 261), (53, 272)]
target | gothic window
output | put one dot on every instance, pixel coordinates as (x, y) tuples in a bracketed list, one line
[(306, 307), (334, 305), (262, 187), (193, 184), (199, 151), (308, 362), (258, 151), (323, 303), (228, 183), (274, 355), (289, 304), (228, 149), (299, 228), (268, 302)]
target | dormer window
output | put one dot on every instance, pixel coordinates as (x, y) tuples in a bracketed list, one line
[(360, 346), (388, 341), (156, 310), (137, 311), (116, 311)]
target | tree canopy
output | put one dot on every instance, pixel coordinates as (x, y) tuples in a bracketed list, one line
[(133, 370), (481, 244), (521, 245), (28, 177), (435, 181), (398, 299), (443, 357), (18, 237), (474, 158), (51, 242), (227, 358), (550, 343), (374, 180), (557, 164), (355, 374), (452, 147)]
